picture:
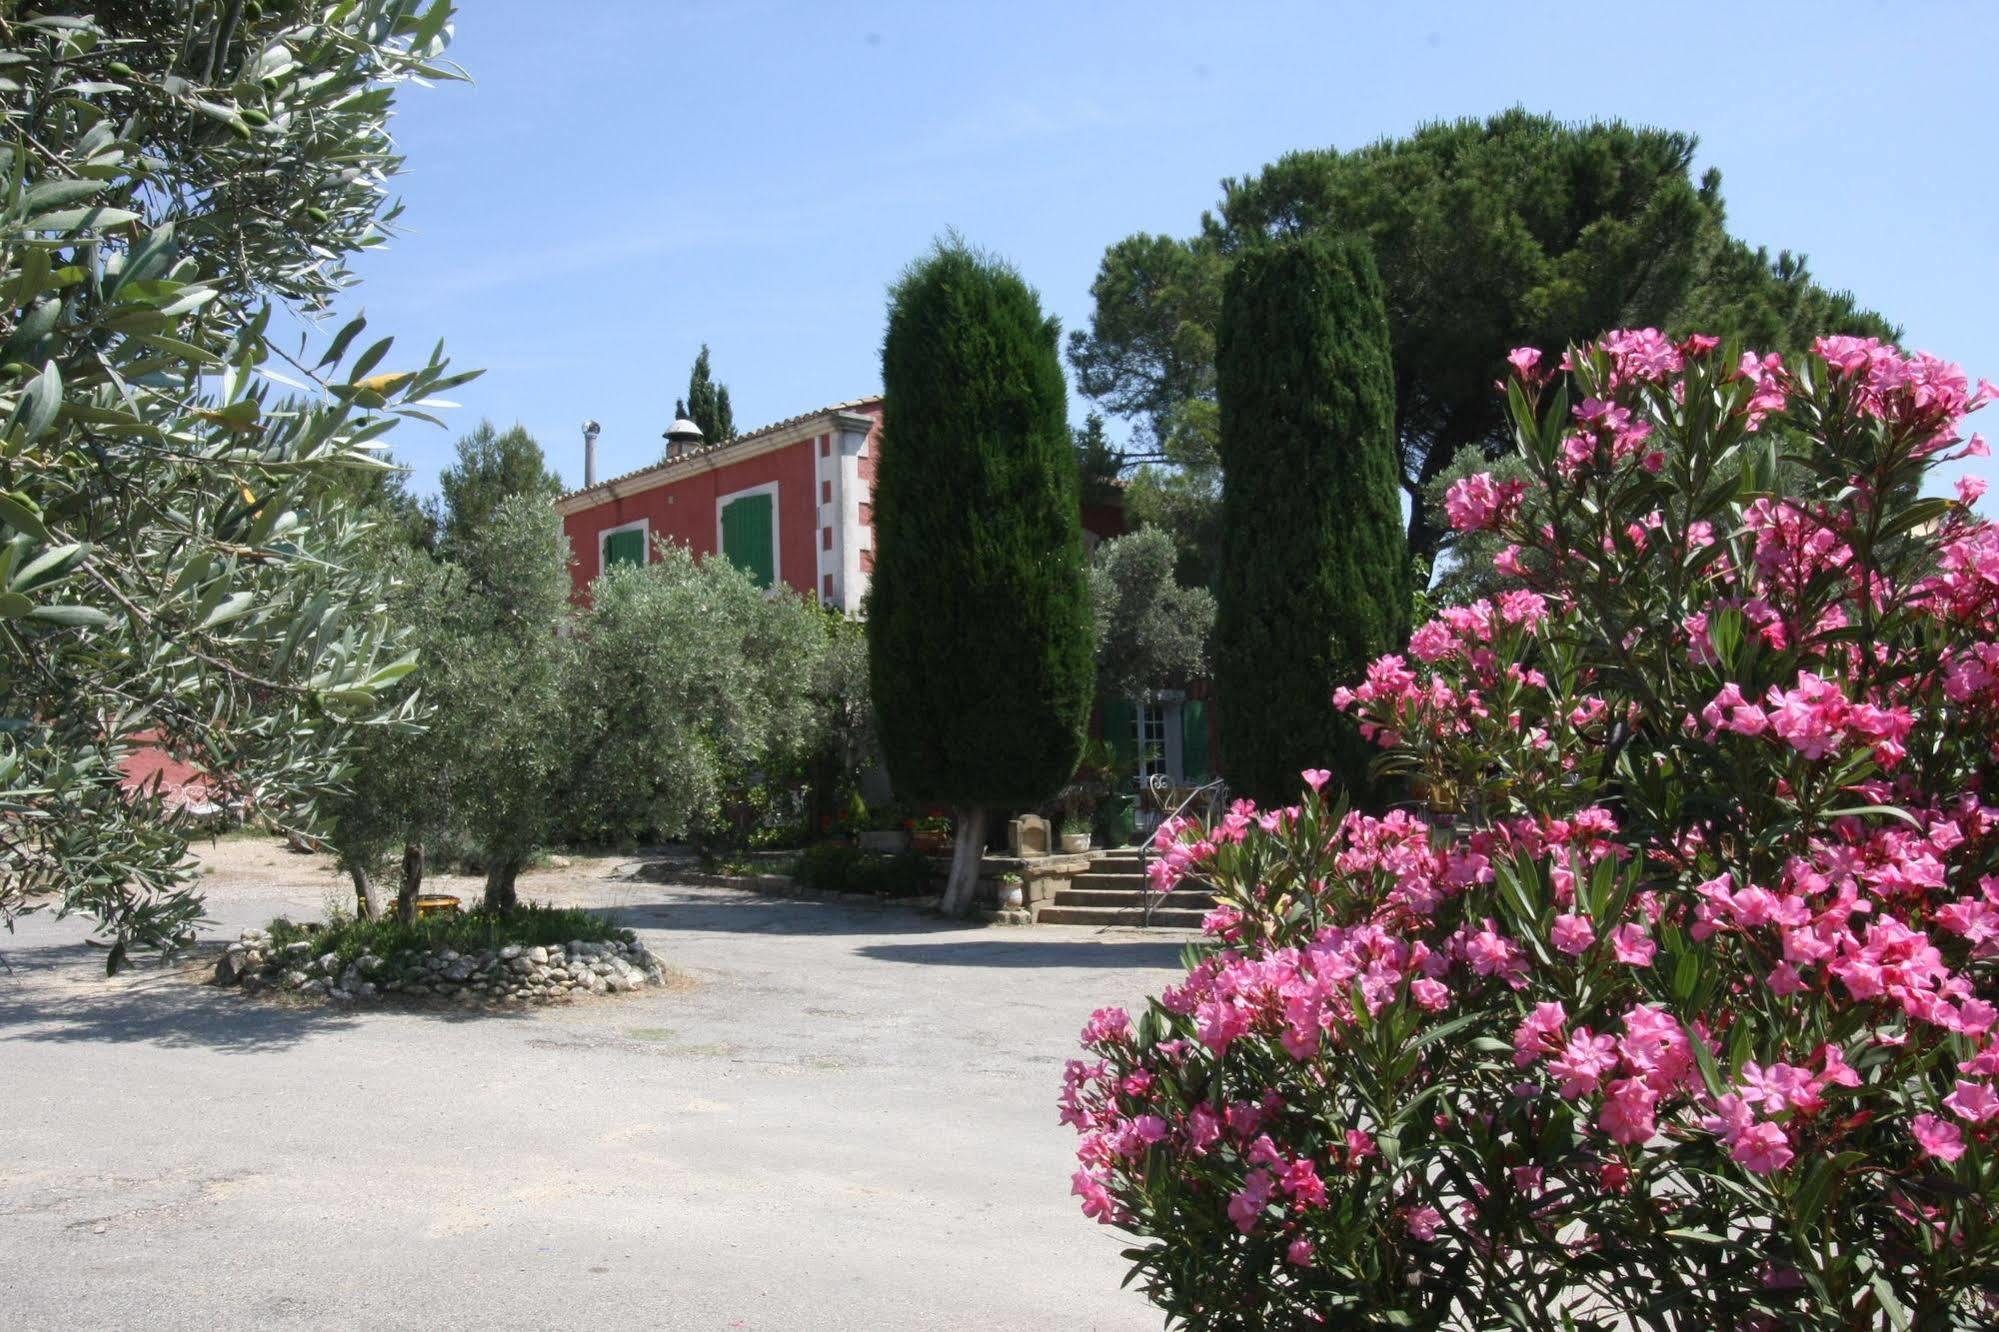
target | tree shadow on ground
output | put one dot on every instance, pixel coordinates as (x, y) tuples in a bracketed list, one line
[(960, 943), (60, 993), (1009, 953), (739, 911)]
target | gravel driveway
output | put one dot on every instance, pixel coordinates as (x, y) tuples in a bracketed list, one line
[(840, 1118)]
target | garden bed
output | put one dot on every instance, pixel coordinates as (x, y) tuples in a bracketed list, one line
[(521, 958)]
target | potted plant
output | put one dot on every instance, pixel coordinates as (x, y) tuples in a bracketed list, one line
[(1012, 892), (930, 834), (1076, 804), (1075, 836)]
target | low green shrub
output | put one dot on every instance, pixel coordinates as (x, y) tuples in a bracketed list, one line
[(842, 867), (528, 925)]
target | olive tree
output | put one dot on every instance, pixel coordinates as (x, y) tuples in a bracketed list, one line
[(1152, 633), (175, 175), (501, 694), (688, 680)]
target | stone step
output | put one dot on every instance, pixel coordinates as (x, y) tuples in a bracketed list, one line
[(1096, 878), (1165, 917), (1086, 895)]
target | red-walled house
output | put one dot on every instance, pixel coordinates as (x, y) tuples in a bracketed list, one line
[(792, 504), (789, 503)]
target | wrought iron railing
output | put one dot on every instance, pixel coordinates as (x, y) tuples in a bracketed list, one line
[(1215, 793)]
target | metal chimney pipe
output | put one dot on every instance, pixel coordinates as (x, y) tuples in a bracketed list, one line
[(590, 432)]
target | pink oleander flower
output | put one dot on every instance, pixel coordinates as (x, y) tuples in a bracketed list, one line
[(1097, 1204), (1572, 934), (1973, 1102), (1540, 1033), (1299, 1253), (1939, 1139), (1301, 1180), (1203, 1127), (1316, 778), (1761, 1148), (1779, 1087), (1422, 1222), (1430, 995), (1627, 1114), (1479, 502), (1523, 360), (1360, 1146), (1246, 1204), (1631, 945), (1107, 1024), (1585, 1059)]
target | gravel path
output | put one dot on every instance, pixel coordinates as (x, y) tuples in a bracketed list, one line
[(840, 1117)]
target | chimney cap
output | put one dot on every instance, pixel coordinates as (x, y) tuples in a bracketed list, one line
[(684, 433)]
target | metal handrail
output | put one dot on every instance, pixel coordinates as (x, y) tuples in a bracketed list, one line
[(1159, 784)]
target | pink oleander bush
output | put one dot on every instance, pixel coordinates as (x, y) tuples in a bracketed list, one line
[(1667, 999)]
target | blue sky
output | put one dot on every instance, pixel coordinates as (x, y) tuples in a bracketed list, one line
[(631, 178)]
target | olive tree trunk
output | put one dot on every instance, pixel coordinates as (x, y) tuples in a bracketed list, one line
[(966, 853), (412, 884), (500, 876), (364, 888)]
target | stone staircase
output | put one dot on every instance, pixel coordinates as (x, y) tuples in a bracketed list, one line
[(1112, 892)]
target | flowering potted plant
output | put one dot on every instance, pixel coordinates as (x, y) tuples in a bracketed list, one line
[(930, 834), (1692, 1024)]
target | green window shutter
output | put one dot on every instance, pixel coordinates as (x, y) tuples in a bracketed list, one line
[(746, 533), (1194, 740), (625, 548), (1121, 729)]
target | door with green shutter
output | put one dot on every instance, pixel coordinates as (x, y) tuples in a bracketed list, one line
[(746, 537), (1194, 762), (627, 547)]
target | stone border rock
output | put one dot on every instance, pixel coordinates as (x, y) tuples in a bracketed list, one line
[(510, 975)]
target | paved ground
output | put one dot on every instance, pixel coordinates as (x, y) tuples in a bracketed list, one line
[(844, 1118)]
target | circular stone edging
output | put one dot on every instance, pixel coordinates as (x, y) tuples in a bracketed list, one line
[(515, 973)]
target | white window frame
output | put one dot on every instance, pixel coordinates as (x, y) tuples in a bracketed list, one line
[(641, 525), (1170, 704), (776, 522)]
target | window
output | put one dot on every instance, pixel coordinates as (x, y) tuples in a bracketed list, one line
[(1150, 719), (749, 536), (621, 545)]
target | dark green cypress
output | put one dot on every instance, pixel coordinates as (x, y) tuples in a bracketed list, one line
[(1314, 577), (979, 631), (707, 403)]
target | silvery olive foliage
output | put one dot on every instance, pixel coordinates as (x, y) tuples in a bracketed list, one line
[(689, 679), (1152, 633), (182, 184)]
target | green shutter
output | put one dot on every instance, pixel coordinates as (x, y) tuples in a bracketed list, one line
[(625, 548), (746, 538), (1121, 729), (1194, 740)]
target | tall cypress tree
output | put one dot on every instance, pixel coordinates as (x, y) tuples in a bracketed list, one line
[(708, 403), (1314, 578), (979, 632)]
